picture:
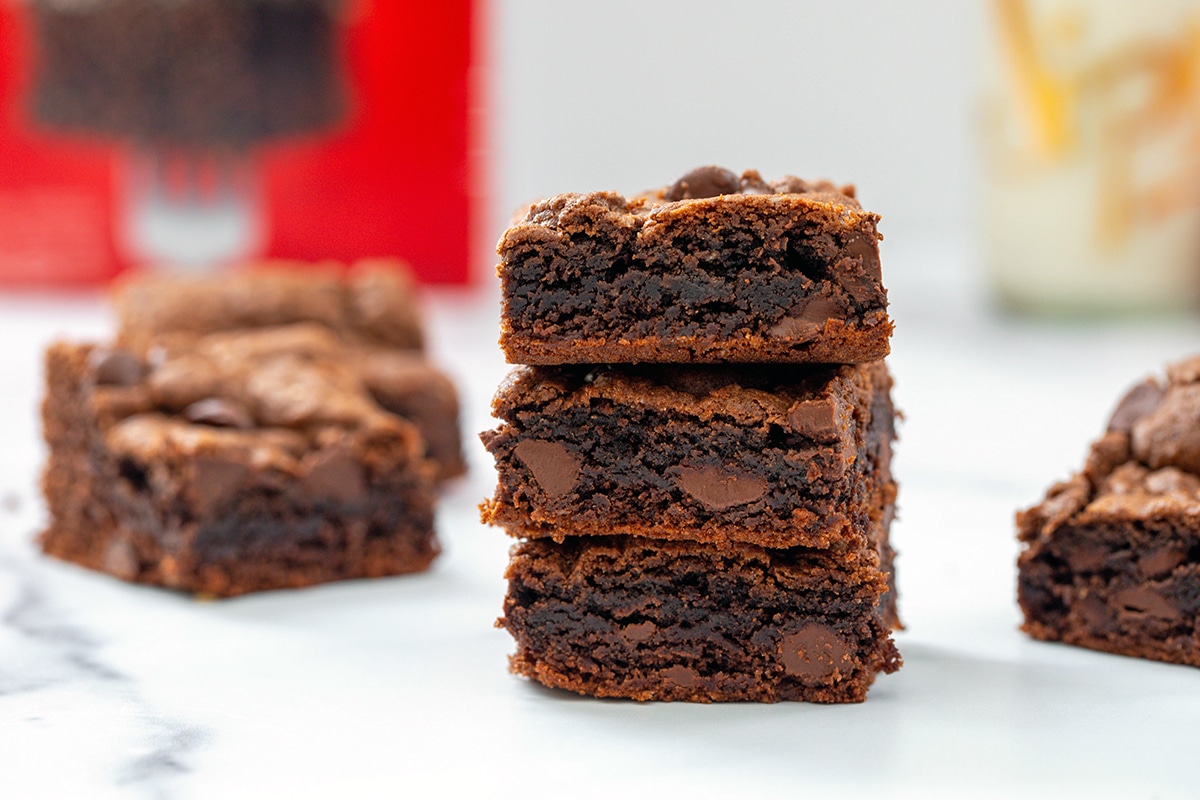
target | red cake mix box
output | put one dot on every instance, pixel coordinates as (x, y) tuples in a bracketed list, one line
[(202, 132)]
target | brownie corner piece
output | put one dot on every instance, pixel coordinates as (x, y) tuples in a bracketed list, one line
[(714, 268), (645, 619), (240, 462), (1110, 559)]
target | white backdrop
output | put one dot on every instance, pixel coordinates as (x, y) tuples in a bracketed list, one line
[(627, 94)]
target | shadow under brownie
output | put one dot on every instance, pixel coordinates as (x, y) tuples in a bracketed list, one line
[(1111, 558), (714, 268), (233, 463)]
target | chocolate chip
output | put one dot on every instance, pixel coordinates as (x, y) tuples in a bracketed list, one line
[(710, 181), (1096, 614), (753, 183), (554, 467), (1169, 436), (682, 676), (637, 632), (219, 412), (337, 476), (806, 319), (1162, 561), (1138, 601), (1087, 556), (865, 247), (720, 488), (815, 419), (790, 184), (216, 480), (1138, 402), (115, 368), (815, 652)]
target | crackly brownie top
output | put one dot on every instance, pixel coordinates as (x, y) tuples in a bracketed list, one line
[(270, 399), (374, 302), (1145, 467), (703, 189), (814, 401)]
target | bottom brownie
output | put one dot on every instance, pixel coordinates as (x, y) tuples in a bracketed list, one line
[(651, 619)]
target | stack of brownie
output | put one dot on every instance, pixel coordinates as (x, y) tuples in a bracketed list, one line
[(695, 456), (275, 429)]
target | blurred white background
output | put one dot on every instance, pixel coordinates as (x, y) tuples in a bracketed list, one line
[(629, 94)]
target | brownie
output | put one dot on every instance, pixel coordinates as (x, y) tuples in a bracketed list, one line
[(650, 619), (714, 268), (1111, 558), (231, 463), (192, 73), (773, 455), (375, 302)]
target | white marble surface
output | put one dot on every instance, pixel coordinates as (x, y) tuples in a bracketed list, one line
[(398, 687)]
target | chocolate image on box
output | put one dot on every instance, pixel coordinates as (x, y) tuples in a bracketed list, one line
[(714, 268), (1111, 558), (196, 73), (774, 455), (646, 619), (232, 463)]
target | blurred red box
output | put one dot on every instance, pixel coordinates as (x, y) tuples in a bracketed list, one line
[(394, 178)]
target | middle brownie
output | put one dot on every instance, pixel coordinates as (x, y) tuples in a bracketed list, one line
[(772, 455)]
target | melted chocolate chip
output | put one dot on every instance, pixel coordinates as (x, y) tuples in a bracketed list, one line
[(115, 368), (1138, 601), (804, 322), (701, 182), (816, 419), (217, 480), (683, 676), (637, 632), (1138, 402), (1162, 561), (865, 247), (814, 652), (554, 467), (790, 184), (336, 476), (719, 488), (219, 412)]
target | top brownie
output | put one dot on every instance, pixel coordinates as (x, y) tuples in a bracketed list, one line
[(374, 303), (713, 268)]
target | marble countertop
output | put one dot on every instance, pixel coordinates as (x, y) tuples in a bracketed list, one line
[(399, 687)]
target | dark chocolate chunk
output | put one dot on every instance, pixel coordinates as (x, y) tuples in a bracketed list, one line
[(217, 480), (1143, 600), (554, 467), (1162, 561), (816, 419), (683, 676), (814, 652), (337, 476), (115, 368), (1169, 436), (709, 181), (219, 412), (804, 322), (1138, 402), (720, 488)]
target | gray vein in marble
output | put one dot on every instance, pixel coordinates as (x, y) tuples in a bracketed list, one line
[(43, 652)]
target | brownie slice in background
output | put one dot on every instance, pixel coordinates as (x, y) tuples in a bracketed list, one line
[(1111, 558), (233, 462)]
